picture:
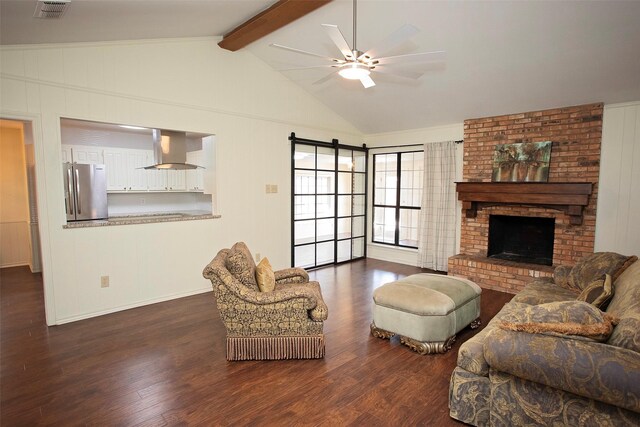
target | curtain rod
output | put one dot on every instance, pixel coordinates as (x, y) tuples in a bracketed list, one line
[(460, 141)]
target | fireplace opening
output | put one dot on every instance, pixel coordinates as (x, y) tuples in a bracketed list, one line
[(521, 239)]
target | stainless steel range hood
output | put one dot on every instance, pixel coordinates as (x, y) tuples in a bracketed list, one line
[(170, 150)]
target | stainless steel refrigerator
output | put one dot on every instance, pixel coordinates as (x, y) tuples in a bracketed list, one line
[(85, 191)]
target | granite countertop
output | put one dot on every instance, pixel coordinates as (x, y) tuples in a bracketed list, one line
[(146, 218)]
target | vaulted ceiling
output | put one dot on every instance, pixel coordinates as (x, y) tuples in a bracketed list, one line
[(502, 57)]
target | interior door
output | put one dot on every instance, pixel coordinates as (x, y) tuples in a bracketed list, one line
[(328, 203)]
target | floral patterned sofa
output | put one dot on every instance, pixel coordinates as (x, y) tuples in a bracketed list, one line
[(508, 376), (285, 323)]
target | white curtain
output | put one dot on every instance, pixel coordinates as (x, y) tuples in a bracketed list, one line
[(437, 228)]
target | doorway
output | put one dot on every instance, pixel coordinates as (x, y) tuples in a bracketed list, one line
[(328, 202), (20, 238)]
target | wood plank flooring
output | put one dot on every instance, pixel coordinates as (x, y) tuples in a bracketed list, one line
[(164, 364)]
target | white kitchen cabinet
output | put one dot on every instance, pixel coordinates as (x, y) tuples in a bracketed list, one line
[(156, 180), (136, 176), (176, 180), (195, 177), (115, 162)]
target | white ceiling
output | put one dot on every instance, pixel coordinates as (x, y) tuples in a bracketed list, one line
[(502, 57)]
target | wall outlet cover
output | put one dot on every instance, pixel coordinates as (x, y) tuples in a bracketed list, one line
[(104, 281)]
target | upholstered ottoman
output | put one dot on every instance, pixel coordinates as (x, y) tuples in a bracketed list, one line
[(426, 310)]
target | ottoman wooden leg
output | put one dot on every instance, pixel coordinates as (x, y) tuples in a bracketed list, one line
[(476, 323), (421, 347), (380, 333)]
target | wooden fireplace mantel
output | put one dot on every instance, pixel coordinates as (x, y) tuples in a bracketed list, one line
[(570, 197)]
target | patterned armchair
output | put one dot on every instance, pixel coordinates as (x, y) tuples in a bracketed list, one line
[(283, 324)]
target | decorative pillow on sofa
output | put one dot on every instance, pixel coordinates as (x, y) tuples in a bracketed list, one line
[(240, 264), (595, 266), (563, 318), (598, 293), (265, 276)]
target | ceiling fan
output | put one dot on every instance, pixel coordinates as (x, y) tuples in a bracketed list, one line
[(357, 65)]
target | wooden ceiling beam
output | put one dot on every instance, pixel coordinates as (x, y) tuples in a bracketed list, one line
[(277, 16)]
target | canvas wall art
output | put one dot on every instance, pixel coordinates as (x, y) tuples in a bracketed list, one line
[(522, 162)]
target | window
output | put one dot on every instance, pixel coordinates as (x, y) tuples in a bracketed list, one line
[(397, 197)]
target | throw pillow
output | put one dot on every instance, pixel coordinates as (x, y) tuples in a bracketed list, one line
[(595, 266), (598, 293), (265, 276), (563, 318)]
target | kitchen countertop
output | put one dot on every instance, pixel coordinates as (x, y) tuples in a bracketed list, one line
[(146, 218)]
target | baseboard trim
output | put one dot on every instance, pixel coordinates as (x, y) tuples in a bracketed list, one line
[(129, 306)]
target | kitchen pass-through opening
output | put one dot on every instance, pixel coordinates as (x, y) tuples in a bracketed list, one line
[(521, 239)]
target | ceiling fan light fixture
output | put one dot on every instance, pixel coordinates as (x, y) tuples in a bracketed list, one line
[(354, 71)]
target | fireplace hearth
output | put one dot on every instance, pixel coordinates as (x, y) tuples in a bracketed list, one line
[(521, 239)]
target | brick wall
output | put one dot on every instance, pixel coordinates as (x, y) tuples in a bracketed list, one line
[(576, 134)]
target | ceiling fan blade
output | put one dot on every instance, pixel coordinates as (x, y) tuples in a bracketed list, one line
[(324, 79), (367, 82), (413, 57), (394, 39), (336, 36), (306, 68), (304, 52), (401, 73)]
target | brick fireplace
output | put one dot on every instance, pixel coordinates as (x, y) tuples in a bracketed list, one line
[(575, 158)]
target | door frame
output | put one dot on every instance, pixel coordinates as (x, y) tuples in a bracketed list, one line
[(34, 121)]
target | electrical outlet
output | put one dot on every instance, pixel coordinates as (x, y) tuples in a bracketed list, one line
[(142, 200), (104, 281), (257, 256)]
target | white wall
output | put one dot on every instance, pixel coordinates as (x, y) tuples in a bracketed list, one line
[(416, 136), (188, 84), (617, 224)]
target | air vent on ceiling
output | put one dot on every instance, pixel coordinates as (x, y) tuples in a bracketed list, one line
[(51, 9)]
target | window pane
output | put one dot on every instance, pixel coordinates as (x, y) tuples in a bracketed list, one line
[(384, 225), (344, 228), (304, 256), (409, 219), (303, 207), (358, 183), (345, 161), (358, 205), (358, 226), (344, 205), (305, 232), (324, 207), (324, 182), (359, 161), (326, 158), (410, 179), (344, 183), (324, 253), (344, 250), (325, 229), (305, 182), (358, 248), (305, 156)]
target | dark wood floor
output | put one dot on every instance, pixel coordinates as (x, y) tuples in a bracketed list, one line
[(165, 364)]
